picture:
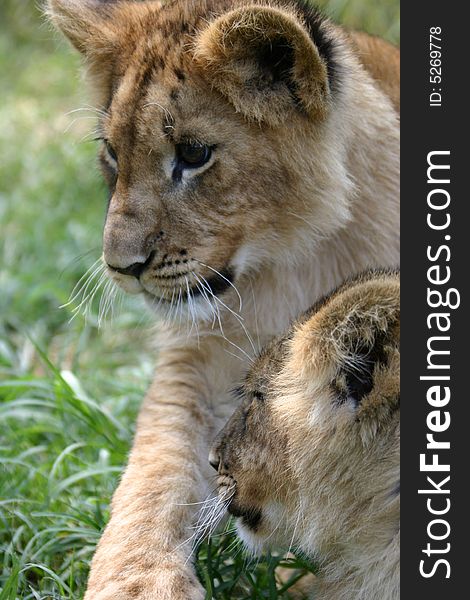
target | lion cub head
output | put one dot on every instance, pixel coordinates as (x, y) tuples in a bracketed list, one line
[(310, 459), (214, 120)]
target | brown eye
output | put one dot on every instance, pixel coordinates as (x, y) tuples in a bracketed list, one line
[(193, 155)]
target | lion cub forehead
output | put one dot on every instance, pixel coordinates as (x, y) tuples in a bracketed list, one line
[(267, 366), (147, 43)]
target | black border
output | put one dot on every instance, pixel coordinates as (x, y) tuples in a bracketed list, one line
[(425, 129)]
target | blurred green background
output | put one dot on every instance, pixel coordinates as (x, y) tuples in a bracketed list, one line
[(69, 391)]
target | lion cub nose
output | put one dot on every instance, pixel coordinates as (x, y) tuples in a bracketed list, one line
[(135, 269), (214, 459)]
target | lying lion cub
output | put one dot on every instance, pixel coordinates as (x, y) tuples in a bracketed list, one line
[(310, 460)]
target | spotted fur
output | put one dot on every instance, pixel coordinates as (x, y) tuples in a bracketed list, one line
[(299, 190), (311, 455)]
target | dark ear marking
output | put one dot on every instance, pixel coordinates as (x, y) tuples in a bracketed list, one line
[(324, 41), (276, 60), (356, 378)]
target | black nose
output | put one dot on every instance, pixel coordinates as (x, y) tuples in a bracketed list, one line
[(134, 270)]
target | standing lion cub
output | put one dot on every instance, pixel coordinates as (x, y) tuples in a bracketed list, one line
[(310, 459), (251, 150)]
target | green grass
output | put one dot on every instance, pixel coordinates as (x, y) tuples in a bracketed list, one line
[(69, 392)]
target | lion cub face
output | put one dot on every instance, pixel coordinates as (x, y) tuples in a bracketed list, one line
[(205, 109), (311, 456)]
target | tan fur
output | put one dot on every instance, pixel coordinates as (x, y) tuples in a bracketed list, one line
[(313, 464), (301, 191), (382, 61), (221, 47)]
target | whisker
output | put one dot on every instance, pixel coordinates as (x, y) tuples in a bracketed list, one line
[(77, 287), (225, 279), (104, 302), (250, 358), (179, 305), (72, 123), (89, 299), (200, 287), (111, 293), (88, 108), (93, 135), (191, 311), (210, 515), (299, 514), (255, 309), (78, 258), (86, 288)]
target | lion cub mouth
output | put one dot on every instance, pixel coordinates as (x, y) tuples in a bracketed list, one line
[(195, 284), (160, 283), (250, 516)]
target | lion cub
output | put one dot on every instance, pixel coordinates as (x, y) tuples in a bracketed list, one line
[(310, 459)]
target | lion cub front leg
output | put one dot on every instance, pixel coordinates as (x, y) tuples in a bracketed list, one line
[(144, 553)]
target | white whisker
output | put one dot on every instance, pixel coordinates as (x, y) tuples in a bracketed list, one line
[(256, 314), (72, 123), (77, 289), (210, 514), (225, 279), (88, 108), (208, 289), (87, 287)]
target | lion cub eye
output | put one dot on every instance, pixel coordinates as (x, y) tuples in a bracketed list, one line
[(193, 156), (110, 150)]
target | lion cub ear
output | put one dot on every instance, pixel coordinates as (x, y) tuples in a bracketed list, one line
[(86, 23), (365, 341), (90, 27), (348, 343), (264, 62)]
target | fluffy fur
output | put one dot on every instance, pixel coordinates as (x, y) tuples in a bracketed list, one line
[(300, 191), (310, 459)]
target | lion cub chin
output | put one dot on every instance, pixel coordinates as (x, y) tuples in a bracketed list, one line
[(310, 459)]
